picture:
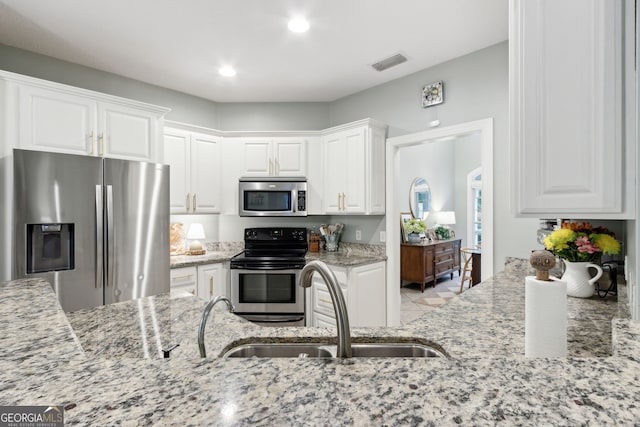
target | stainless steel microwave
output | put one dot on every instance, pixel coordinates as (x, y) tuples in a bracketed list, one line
[(273, 196)]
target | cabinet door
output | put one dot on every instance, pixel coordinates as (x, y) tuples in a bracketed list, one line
[(335, 172), (258, 159), (355, 191), (323, 321), (211, 280), (177, 155), (205, 174), (290, 157), (57, 121), (184, 279), (367, 295), (565, 105), (127, 133), (429, 264)]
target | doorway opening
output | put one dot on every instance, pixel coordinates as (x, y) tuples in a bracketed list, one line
[(484, 128)]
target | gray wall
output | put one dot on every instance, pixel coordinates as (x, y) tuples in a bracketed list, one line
[(476, 87), (184, 108)]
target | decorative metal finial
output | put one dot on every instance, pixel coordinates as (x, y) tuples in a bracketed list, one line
[(542, 261)]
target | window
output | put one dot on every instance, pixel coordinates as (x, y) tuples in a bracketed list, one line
[(474, 208)]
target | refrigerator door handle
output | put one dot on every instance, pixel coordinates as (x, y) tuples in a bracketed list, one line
[(110, 237), (99, 236)]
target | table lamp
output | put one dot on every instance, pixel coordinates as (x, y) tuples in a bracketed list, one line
[(196, 232), (446, 217)]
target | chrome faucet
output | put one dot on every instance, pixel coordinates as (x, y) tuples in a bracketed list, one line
[(205, 316), (339, 306)]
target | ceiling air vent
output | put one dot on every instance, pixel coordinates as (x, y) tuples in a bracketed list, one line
[(389, 62)]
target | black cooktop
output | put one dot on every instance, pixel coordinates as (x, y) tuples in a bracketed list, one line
[(272, 248)]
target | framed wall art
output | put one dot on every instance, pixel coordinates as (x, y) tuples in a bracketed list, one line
[(432, 94), (404, 218)]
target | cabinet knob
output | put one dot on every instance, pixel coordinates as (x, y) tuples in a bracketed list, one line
[(194, 202), (187, 205), (211, 286)]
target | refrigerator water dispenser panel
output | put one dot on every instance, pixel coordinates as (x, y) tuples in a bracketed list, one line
[(50, 247)]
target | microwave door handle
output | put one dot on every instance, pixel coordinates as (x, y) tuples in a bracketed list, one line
[(99, 237)]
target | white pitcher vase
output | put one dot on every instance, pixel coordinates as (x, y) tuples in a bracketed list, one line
[(580, 284)]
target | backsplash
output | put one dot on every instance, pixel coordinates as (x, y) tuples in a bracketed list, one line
[(224, 246)]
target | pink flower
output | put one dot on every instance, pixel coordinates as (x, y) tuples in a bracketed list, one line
[(584, 245)]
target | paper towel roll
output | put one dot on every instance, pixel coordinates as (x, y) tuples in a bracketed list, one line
[(545, 324)]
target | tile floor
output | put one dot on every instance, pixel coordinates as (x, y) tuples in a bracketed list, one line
[(414, 303)]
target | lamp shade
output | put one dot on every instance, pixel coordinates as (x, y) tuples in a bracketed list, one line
[(196, 231), (446, 217)]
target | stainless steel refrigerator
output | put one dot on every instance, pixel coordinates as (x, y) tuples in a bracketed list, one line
[(97, 229)]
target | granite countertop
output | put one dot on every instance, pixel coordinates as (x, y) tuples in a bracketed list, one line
[(104, 365), (179, 261), (343, 258)]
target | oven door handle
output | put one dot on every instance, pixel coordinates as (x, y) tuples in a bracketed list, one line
[(273, 319)]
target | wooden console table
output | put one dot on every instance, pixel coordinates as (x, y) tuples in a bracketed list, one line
[(427, 262)]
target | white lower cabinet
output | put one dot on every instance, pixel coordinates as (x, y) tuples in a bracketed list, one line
[(212, 280), (205, 281), (184, 279), (363, 288)]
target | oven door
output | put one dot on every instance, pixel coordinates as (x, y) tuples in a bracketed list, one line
[(263, 292)]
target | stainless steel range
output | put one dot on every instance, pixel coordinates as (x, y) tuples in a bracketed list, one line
[(264, 277)]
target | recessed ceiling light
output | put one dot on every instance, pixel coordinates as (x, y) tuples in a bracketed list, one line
[(298, 25), (227, 71)]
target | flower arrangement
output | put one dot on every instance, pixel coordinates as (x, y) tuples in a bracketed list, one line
[(415, 226), (580, 242), (443, 233)]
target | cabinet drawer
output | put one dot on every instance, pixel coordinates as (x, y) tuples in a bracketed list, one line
[(444, 248), (321, 298), (443, 257), (444, 267), (183, 276)]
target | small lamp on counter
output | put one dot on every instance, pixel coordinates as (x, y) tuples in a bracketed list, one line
[(195, 233)]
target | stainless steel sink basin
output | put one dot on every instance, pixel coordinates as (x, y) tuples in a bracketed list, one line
[(394, 350), (378, 349), (280, 350)]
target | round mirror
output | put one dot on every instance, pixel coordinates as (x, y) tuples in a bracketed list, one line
[(420, 198)]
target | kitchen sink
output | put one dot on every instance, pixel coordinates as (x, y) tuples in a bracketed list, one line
[(320, 350), (281, 350)]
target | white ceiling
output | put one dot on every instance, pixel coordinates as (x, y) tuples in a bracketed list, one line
[(180, 44)]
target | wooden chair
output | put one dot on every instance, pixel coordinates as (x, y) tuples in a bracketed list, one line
[(466, 254)]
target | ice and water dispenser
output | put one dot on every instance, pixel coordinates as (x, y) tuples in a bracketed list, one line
[(50, 247)]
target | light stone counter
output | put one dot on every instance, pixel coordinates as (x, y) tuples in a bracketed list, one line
[(107, 369), (349, 255)]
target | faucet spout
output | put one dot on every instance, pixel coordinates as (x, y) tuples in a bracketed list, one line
[(205, 316), (339, 306)]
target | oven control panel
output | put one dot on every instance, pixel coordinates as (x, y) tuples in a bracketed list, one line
[(286, 234)]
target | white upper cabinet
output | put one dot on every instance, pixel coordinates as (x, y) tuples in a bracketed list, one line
[(353, 157), (54, 117), (57, 121), (127, 133), (568, 68), (194, 159), (286, 156)]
